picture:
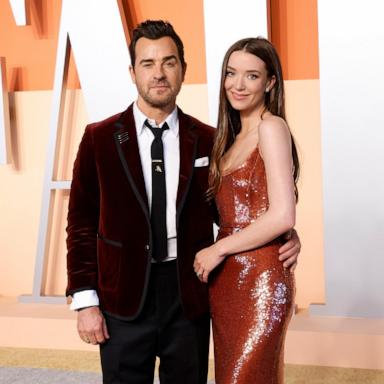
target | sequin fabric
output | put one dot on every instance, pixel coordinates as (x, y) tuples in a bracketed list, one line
[(251, 294)]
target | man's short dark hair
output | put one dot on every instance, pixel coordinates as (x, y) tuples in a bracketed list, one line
[(155, 29)]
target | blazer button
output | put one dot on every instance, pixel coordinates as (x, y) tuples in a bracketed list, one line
[(147, 247)]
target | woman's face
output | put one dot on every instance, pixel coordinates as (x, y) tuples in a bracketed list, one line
[(246, 81)]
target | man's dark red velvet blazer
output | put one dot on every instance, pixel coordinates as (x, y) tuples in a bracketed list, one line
[(109, 234)]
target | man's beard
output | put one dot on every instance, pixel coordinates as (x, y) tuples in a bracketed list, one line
[(158, 103), (161, 101)]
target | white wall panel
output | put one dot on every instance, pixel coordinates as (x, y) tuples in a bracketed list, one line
[(225, 22), (351, 40), (100, 49), (19, 11)]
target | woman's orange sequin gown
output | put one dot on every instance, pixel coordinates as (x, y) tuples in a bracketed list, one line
[(251, 294)]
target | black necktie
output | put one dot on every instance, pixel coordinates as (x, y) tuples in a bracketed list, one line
[(159, 195)]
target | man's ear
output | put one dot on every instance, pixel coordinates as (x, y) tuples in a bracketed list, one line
[(184, 70), (132, 73)]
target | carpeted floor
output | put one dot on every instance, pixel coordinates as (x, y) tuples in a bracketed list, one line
[(14, 375), (41, 366)]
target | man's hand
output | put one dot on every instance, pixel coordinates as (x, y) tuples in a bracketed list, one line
[(289, 252), (91, 326)]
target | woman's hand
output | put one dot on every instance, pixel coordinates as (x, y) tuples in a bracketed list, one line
[(206, 261)]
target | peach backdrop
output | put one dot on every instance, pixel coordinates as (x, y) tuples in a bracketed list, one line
[(30, 53)]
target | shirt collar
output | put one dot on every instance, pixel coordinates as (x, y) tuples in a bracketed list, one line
[(172, 120)]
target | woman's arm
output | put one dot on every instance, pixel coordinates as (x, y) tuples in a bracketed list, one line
[(275, 148)]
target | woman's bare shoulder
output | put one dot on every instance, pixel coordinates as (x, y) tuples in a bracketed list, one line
[(273, 125)]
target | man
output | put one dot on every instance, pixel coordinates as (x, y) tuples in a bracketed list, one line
[(137, 216)]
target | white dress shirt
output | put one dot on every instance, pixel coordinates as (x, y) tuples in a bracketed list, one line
[(170, 137)]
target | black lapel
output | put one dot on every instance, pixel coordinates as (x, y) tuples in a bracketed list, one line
[(128, 150), (188, 148)]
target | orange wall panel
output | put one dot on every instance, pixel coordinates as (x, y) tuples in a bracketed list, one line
[(187, 17), (294, 32), (30, 51)]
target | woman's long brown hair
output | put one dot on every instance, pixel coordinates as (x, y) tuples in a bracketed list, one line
[(229, 123)]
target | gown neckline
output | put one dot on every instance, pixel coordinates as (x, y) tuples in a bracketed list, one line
[(233, 170)]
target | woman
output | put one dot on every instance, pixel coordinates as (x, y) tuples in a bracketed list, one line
[(253, 174)]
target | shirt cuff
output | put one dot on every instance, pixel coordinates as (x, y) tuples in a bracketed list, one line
[(82, 299)]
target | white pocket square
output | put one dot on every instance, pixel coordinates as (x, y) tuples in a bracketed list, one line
[(202, 162)]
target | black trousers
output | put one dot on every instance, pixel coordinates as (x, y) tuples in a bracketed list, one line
[(161, 330)]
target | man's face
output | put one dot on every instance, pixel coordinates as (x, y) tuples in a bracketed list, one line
[(157, 72)]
